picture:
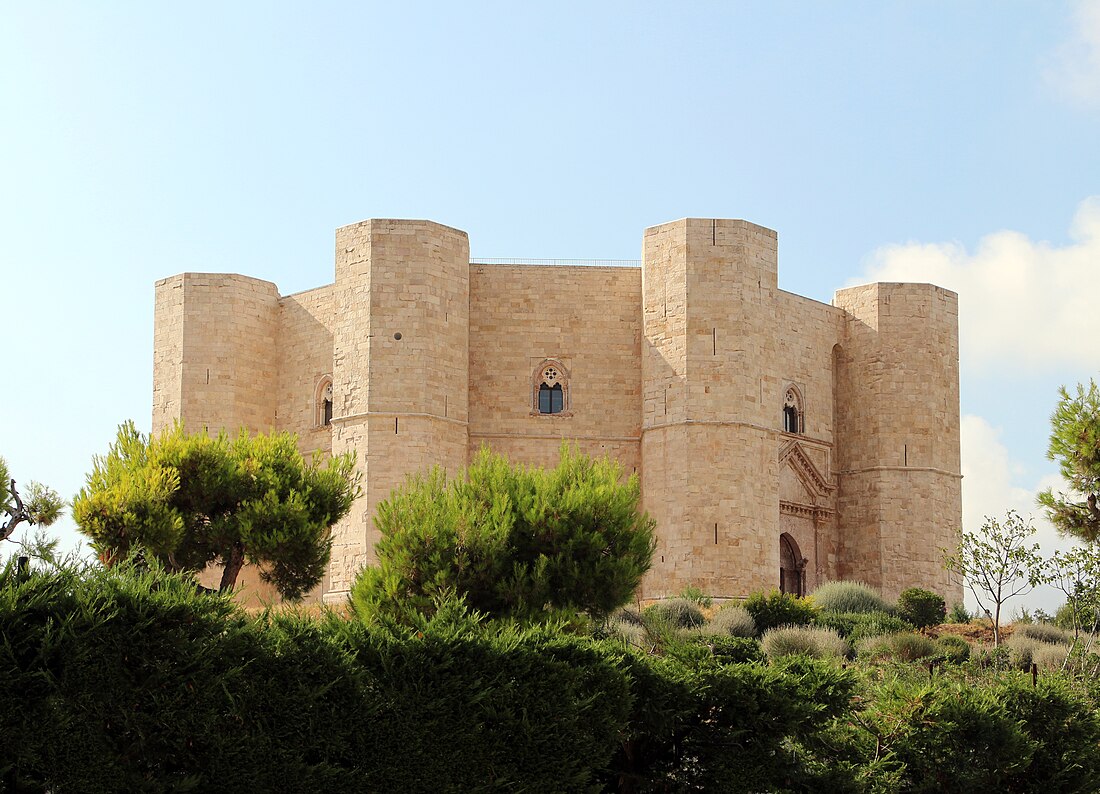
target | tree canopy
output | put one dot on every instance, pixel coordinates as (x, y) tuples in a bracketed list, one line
[(998, 563), (512, 541), (193, 499), (40, 505), (1075, 445)]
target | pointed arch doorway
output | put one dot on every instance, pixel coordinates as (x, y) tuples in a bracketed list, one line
[(792, 567)]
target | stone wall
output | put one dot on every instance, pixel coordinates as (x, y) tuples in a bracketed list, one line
[(400, 366), (585, 319), (678, 369), (220, 354), (898, 412)]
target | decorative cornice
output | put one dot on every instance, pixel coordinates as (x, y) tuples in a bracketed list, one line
[(816, 512), (805, 468)]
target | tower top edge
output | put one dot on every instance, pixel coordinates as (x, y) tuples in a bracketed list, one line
[(395, 224), (722, 223)]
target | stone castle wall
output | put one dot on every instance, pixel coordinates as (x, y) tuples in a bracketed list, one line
[(678, 369)]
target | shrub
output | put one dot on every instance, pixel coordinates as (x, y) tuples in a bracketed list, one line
[(732, 620), (954, 649), (722, 727), (779, 609), (693, 593), (804, 641), (631, 633), (997, 659), (678, 612), (904, 647), (514, 542), (1021, 650), (1042, 632), (922, 608), (849, 597), (122, 681), (725, 648), (1050, 656), (856, 626), (628, 615), (958, 614), (1064, 730), (463, 709), (947, 737)]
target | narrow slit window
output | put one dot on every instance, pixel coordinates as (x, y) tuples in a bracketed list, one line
[(793, 419), (324, 403)]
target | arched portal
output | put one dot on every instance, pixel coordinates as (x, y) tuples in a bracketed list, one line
[(792, 567)]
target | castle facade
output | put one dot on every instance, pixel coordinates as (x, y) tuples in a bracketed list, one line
[(780, 441)]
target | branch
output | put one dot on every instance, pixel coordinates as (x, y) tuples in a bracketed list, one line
[(17, 517)]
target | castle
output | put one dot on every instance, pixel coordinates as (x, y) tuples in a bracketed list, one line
[(780, 442)]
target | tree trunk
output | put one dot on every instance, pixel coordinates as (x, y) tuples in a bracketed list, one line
[(233, 567), (997, 626)]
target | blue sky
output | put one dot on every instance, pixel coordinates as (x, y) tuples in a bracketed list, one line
[(936, 141)]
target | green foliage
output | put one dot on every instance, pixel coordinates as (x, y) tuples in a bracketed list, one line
[(904, 647), (1075, 445), (128, 679), (945, 737), (693, 593), (811, 641), (513, 542), (922, 608), (856, 626), (998, 564), (714, 727), (958, 614), (39, 504), (1077, 574), (1043, 632), (1063, 729), (123, 680), (1051, 656), (495, 708), (732, 620), (848, 597), (680, 613), (124, 677), (190, 500), (1021, 651), (953, 648), (726, 648), (779, 609), (628, 615)]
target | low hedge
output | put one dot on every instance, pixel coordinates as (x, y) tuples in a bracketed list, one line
[(118, 682), (130, 681)]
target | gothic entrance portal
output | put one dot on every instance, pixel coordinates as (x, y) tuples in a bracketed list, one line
[(792, 566)]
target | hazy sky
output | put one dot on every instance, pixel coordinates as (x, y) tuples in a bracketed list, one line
[(957, 143)]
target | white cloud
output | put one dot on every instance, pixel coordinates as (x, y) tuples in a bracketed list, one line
[(1022, 302), (1074, 68), (991, 487)]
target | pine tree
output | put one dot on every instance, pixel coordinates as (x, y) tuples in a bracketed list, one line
[(1075, 444), (513, 542), (41, 505), (192, 500)]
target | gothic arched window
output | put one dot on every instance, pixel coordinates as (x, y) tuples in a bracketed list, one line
[(324, 402), (793, 419), (551, 389)]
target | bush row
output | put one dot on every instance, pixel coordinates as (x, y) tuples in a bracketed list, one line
[(123, 681)]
